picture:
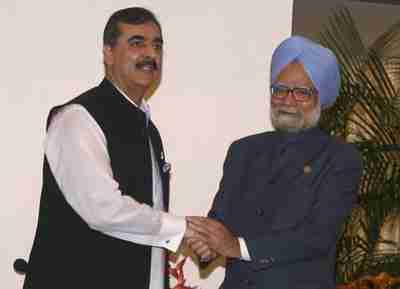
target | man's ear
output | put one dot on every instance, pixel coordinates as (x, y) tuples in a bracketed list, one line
[(108, 55)]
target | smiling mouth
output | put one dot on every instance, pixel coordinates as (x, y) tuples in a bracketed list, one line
[(286, 112), (147, 66)]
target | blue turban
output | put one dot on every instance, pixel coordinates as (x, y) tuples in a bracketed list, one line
[(319, 62)]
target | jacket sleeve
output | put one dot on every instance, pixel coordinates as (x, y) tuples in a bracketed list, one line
[(217, 208), (316, 235)]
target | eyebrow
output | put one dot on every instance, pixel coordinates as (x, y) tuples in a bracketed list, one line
[(142, 38), (136, 37), (294, 86)]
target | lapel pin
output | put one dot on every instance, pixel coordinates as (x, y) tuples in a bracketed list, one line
[(307, 169), (166, 167), (162, 156)]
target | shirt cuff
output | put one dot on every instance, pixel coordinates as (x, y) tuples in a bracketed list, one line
[(173, 228), (243, 250)]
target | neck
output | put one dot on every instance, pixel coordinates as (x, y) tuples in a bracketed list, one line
[(134, 92)]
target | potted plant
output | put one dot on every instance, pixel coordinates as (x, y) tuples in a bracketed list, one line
[(367, 113)]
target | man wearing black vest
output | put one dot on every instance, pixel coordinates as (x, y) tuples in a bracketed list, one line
[(102, 219)]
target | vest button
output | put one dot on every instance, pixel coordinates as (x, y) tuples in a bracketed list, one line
[(248, 282), (259, 212)]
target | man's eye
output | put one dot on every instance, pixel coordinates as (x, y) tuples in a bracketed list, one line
[(158, 46), (281, 90), (136, 43), (302, 91)]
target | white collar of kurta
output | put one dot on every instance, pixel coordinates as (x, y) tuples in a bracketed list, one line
[(144, 106)]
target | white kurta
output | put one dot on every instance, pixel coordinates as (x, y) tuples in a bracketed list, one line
[(76, 150)]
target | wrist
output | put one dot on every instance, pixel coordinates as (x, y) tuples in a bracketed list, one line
[(235, 249)]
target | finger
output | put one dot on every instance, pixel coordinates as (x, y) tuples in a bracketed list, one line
[(199, 229), (205, 256), (196, 219), (190, 241), (203, 251), (214, 254), (195, 235), (208, 257), (211, 237), (209, 223), (190, 228), (188, 232), (198, 245)]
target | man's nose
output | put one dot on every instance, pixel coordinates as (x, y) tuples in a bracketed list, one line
[(289, 99), (151, 51)]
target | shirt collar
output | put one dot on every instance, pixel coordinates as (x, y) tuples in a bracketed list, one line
[(298, 137), (144, 106)]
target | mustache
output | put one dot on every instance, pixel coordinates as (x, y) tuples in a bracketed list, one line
[(286, 110), (148, 61)]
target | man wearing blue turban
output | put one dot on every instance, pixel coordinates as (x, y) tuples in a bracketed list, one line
[(285, 194)]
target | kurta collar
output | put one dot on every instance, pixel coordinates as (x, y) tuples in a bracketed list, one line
[(306, 143), (298, 137), (144, 106)]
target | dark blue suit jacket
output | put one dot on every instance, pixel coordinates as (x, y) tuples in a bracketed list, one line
[(287, 195)]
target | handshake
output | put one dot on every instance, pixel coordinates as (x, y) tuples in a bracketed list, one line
[(208, 239)]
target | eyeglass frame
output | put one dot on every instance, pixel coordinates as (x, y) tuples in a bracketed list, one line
[(299, 98)]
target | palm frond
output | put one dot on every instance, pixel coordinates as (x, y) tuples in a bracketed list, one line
[(367, 113)]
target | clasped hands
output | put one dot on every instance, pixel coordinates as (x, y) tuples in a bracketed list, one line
[(208, 238)]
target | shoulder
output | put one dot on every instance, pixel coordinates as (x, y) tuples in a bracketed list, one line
[(345, 153), (70, 120), (85, 97), (254, 139), (74, 106), (252, 142)]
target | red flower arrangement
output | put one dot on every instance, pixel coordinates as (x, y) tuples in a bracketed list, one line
[(178, 274)]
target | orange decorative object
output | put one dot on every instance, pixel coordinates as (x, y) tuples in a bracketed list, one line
[(381, 281), (177, 273)]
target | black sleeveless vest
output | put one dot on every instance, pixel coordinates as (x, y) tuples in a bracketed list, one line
[(66, 252)]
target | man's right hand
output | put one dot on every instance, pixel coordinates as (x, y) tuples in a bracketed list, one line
[(215, 235), (196, 241)]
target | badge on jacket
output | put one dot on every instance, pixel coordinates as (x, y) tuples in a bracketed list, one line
[(166, 168), (307, 169)]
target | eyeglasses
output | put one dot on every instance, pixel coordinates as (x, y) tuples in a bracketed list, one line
[(300, 94)]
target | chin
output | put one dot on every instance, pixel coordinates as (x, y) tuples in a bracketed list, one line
[(287, 124), (144, 79), (288, 129), (145, 84)]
